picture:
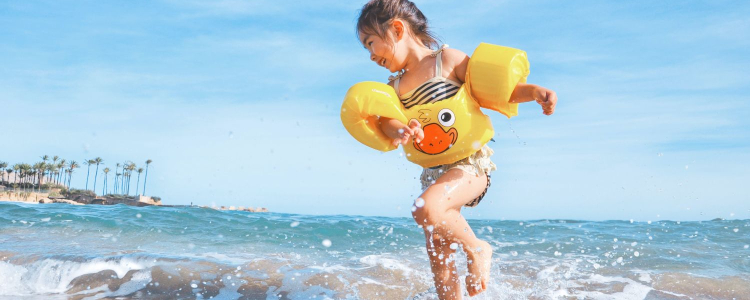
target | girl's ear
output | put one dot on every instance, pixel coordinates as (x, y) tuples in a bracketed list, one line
[(398, 27)]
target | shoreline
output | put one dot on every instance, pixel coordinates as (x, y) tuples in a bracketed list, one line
[(82, 199)]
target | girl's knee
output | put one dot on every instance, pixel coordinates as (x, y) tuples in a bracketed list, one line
[(429, 213)]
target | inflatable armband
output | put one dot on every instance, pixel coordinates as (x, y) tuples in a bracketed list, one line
[(492, 75), (364, 103)]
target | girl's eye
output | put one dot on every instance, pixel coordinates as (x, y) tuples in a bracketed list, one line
[(369, 44)]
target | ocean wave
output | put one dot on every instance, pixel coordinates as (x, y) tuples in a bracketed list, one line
[(93, 252)]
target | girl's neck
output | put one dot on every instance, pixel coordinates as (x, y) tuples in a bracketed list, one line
[(416, 53)]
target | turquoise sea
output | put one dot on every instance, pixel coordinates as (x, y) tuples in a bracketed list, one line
[(59, 251)]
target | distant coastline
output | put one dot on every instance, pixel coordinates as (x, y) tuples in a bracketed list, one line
[(75, 197), (49, 181), (82, 198)]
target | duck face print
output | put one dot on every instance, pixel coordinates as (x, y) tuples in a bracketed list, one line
[(438, 136)]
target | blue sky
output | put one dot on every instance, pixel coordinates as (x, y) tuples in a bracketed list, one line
[(237, 102)]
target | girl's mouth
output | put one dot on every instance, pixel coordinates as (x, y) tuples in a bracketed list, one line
[(382, 62)]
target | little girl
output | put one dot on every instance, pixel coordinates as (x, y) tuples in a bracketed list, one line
[(396, 34)]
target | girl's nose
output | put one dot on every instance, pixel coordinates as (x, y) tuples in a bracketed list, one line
[(372, 57)]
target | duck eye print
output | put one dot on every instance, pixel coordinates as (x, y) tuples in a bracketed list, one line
[(446, 117)]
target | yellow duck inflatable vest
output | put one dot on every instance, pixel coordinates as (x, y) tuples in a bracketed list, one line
[(454, 128)]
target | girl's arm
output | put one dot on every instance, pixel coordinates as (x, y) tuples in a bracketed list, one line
[(522, 93), (530, 92)]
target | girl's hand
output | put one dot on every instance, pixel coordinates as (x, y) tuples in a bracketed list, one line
[(529, 92), (407, 132), (547, 99)]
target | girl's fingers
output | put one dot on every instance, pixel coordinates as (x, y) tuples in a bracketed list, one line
[(414, 123), (419, 136), (416, 130)]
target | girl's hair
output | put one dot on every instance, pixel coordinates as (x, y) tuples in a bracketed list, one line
[(376, 16)]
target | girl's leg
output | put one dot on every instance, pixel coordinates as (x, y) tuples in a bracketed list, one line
[(441, 214), (442, 262)]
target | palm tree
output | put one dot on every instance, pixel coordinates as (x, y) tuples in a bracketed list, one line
[(148, 162), (138, 183), (71, 167), (49, 169), (61, 166), (9, 171), (17, 170), (117, 179), (131, 168), (26, 171), (54, 163), (3, 165), (44, 158), (104, 188), (117, 175), (38, 173), (88, 163), (98, 161), (121, 188)]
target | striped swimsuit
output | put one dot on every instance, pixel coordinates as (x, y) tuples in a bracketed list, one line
[(435, 89)]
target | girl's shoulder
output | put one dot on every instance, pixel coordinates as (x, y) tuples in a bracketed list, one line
[(455, 61), (453, 54)]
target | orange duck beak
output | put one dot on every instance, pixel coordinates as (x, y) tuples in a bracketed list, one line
[(436, 140)]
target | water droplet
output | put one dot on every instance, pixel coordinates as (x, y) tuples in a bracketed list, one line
[(454, 246), (615, 240), (294, 224), (326, 243), (193, 285), (430, 228), (138, 216), (636, 254), (514, 253), (736, 230), (419, 202)]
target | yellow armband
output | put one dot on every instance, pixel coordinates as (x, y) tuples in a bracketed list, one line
[(364, 104), (492, 75)]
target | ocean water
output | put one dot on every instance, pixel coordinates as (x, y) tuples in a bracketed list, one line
[(58, 251)]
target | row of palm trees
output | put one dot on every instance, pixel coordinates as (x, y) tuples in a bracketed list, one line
[(55, 171)]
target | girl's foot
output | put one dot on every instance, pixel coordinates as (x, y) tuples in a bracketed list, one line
[(479, 262)]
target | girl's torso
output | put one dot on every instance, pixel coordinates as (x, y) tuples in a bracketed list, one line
[(441, 82)]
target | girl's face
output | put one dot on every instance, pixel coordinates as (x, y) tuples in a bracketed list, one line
[(385, 51)]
